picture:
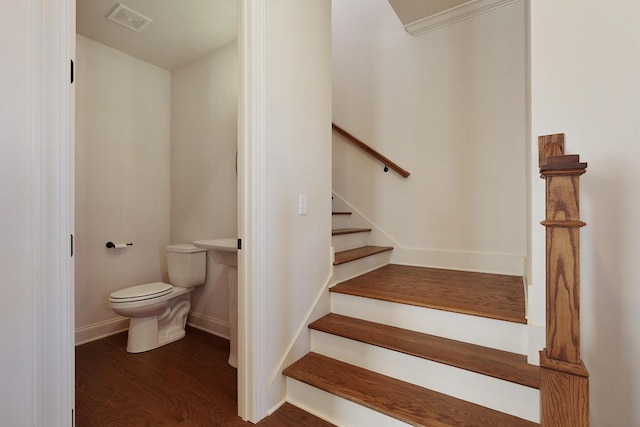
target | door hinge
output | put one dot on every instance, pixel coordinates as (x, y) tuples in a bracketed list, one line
[(239, 243), (72, 71), (72, 245)]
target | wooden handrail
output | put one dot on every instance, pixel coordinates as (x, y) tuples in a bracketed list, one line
[(387, 163), (564, 390)]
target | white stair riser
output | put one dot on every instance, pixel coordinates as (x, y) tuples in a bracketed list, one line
[(490, 333), (357, 267), (343, 242), (334, 409), (500, 395), (340, 221)]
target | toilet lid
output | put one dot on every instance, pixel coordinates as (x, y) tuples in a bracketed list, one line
[(141, 292)]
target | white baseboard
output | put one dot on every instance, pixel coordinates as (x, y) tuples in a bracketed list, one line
[(209, 324), (276, 406), (100, 330), (456, 260), (422, 257), (119, 324)]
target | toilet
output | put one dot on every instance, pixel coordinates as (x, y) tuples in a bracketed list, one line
[(158, 311)]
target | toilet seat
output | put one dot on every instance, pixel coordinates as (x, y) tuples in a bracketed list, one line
[(141, 292)]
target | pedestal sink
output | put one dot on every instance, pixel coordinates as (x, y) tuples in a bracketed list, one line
[(225, 251)]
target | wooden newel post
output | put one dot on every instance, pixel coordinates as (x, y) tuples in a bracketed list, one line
[(564, 378)]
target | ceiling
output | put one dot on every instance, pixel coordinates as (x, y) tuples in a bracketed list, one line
[(412, 10), (184, 30), (180, 31)]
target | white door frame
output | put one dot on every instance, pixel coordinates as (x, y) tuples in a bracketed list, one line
[(252, 374), (53, 219)]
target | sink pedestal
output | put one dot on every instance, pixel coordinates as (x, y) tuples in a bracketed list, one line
[(225, 251), (232, 282)]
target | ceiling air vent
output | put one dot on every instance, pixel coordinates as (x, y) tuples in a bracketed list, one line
[(129, 18)]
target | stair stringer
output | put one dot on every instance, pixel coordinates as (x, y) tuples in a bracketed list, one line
[(377, 236), (482, 262), (300, 344)]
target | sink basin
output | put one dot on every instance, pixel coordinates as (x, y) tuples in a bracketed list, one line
[(229, 244), (223, 251)]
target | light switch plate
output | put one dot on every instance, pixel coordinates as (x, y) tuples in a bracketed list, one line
[(302, 205)]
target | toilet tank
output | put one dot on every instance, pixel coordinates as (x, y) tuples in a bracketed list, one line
[(187, 265)]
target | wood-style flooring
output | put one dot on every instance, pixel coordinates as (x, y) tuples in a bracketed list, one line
[(186, 383), (494, 296)]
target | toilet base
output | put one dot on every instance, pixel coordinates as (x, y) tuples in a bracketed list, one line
[(171, 338), (143, 334), (149, 333)]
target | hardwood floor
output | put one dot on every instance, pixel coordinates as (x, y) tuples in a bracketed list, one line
[(494, 296), (186, 383)]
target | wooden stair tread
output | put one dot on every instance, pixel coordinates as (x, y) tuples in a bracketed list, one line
[(340, 231), (487, 361), (494, 296), (357, 253), (409, 403), (341, 213)]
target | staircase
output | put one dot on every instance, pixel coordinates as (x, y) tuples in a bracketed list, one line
[(415, 346)]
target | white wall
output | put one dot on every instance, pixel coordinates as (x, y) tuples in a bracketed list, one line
[(204, 104), (448, 106), (17, 182), (585, 83), (298, 162), (122, 179)]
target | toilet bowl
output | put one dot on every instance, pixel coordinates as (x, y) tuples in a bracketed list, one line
[(158, 311)]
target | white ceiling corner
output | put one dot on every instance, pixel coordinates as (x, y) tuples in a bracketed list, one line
[(419, 16), (413, 10)]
